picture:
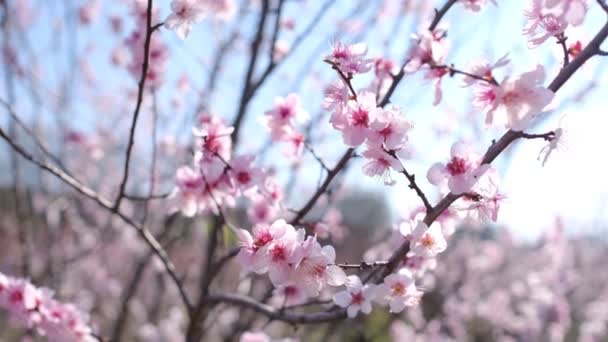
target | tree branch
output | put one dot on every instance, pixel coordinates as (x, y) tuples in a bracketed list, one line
[(255, 48), (140, 97)]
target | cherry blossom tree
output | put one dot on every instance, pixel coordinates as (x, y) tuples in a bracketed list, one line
[(181, 170)]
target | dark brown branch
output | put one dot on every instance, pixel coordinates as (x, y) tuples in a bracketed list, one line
[(253, 86), (254, 50), (314, 154), (140, 98), (561, 40), (146, 197), (413, 185), (453, 71), (32, 135), (363, 265), (330, 176), (347, 82), (603, 4), (277, 314), (545, 136)]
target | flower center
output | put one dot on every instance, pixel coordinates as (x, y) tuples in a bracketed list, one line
[(360, 117), (262, 240), (457, 166), (398, 289), (243, 177), (278, 253), (290, 291), (16, 297), (427, 241), (356, 298)]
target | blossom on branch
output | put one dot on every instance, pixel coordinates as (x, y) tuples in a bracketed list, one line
[(34, 309), (461, 172), (398, 291), (357, 297)]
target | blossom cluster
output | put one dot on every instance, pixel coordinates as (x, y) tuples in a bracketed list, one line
[(358, 117), (550, 18), (298, 266), (35, 309), (217, 178), (281, 121)]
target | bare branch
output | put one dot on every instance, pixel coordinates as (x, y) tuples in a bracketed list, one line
[(363, 265), (603, 4), (561, 40), (330, 176), (255, 48), (32, 135), (140, 97), (452, 71)]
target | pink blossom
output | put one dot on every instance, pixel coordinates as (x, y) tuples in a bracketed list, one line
[(283, 256), (357, 297), (350, 59), (254, 249), (483, 68), (185, 13), (398, 291), (88, 12), (254, 337), (221, 9), (35, 309), (292, 294), (295, 143), (316, 267), (461, 172), (359, 116), (546, 19), (261, 210), (428, 241), (214, 138), (389, 130), (436, 76), (188, 190), (244, 175), (483, 202), (286, 111), (519, 99), (475, 5), (336, 97), (331, 227), (429, 48), (379, 163)]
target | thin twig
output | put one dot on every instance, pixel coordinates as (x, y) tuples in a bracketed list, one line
[(452, 71), (412, 179), (561, 40), (140, 97), (254, 51), (363, 265)]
